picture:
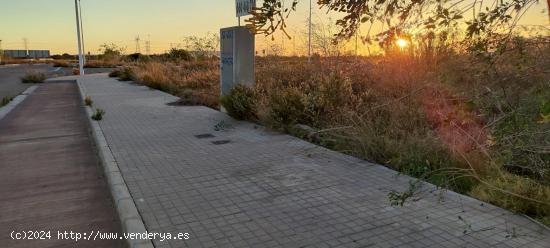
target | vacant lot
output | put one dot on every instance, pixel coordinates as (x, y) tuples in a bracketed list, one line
[(473, 122)]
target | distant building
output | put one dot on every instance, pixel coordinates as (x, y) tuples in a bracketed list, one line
[(21, 54)]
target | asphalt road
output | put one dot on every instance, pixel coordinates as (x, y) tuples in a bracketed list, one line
[(10, 76)]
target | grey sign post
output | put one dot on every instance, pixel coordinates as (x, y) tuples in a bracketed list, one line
[(237, 45)]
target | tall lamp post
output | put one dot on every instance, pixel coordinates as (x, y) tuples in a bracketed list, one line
[(80, 57), (82, 31)]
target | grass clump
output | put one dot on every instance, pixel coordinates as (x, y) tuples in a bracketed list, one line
[(33, 77), (98, 115), (516, 193), (88, 101), (6, 100), (124, 74), (240, 103)]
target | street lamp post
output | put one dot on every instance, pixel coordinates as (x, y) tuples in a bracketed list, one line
[(80, 57), (82, 31)]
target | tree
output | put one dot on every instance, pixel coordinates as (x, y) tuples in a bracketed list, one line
[(202, 47), (110, 51), (479, 17), (321, 38)]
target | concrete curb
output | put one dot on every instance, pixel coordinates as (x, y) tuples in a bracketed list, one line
[(128, 214), (16, 101)]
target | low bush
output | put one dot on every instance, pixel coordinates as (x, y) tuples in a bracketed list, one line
[(98, 115), (123, 74), (240, 103), (179, 54), (114, 74), (88, 101), (286, 107), (33, 77)]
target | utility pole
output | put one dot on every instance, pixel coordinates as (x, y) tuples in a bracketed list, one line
[(1, 52), (309, 43), (148, 45), (78, 35), (138, 48)]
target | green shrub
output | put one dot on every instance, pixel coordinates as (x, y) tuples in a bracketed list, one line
[(98, 115), (240, 103), (125, 74), (286, 106), (34, 77), (334, 92), (521, 136)]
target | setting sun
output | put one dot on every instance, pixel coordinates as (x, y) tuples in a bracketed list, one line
[(401, 43)]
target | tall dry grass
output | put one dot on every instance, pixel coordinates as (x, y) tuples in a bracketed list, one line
[(195, 82), (476, 123)]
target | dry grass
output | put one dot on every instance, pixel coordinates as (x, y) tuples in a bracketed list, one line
[(501, 188), (465, 122), (33, 77), (101, 64), (196, 81), (63, 63)]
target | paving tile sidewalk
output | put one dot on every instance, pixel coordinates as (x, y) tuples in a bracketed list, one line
[(50, 179), (265, 189)]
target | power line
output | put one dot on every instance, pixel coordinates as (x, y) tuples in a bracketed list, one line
[(148, 45), (138, 48)]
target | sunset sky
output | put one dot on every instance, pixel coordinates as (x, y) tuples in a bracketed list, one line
[(50, 24)]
